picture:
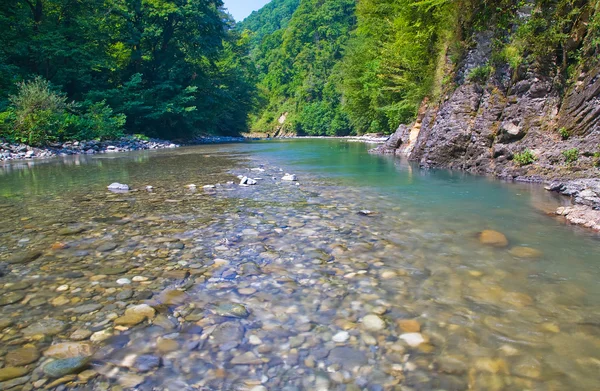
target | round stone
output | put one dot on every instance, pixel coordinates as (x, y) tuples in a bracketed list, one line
[(525, 252), (60, 368), (493, 238), (123, 281), (342, 336), (9, 373), (373, 323), (22, 356), (11, 298)]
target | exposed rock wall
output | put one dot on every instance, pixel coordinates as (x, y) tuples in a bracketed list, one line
[(480, 127)]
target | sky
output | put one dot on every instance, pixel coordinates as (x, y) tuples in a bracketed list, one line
[(242, 8)]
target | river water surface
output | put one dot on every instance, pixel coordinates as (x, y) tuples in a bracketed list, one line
[(365, 274)]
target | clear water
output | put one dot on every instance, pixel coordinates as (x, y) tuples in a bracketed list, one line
[(306, 266)]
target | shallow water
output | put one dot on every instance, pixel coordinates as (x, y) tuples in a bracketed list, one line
[(269, 285)]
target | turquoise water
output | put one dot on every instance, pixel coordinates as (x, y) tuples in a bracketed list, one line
[(257, 286)]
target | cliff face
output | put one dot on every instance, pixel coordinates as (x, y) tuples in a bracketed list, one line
[(523, 125)]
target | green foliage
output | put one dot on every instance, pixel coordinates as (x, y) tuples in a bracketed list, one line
[(38, 115), (524, 158), (571, 155), (480, 74), (296, 59), (171, 67), (564, 133)]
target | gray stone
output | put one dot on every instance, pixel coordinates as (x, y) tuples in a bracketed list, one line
[(67, 366)]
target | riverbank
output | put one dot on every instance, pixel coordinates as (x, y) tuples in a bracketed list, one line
[(11, 151)]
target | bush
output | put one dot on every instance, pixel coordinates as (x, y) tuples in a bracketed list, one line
[(480, 74), (597, 159), (524, 158), (571, 155), (564, 133), (38, 115)]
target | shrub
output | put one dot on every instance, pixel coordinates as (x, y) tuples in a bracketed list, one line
[(480, 74), (101, 123), (38, 112), (571, 155), (564, 133), (597, 159), (524, 158)]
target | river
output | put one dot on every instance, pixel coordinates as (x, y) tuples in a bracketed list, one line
[(365, 274)]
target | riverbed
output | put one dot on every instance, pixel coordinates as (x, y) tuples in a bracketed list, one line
[(366, 273)]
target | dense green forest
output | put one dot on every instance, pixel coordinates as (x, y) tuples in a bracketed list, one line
[(340, 67), (178, 68), (98, 68)]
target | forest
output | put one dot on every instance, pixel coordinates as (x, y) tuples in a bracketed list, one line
[(179, 68)]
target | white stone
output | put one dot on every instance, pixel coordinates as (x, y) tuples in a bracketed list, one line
[(342, 336), (373, 323), (123, 281), (101, 335), (289, 177), (413, 339), (139, 278), (62, 288), (118, 187), (247, 181), (254, 340)]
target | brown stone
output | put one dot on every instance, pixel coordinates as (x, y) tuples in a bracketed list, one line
[(22, 356), (525, 252), (69, 350), (493, 238), (409, 325)]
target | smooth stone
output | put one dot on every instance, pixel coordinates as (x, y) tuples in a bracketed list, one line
[(60, 368), (493, 238), (129, 320), (165, 345), (11, 298), (347, 357), (13, 383), (106, 247), (409, 325), (69, 350), (525, 252), (248, 358), (123, 281), (412, 339), (226, 332), (289, 177), (373, 323), (17, 286), (141, 309), (246, 291), (116, 186), (172, 297), (101, 335), (86, 308), (4, 323), (70, 231), (146, 363), (8, 373), (232, 310), (125, 294), (342, 336), (80, 335), (44, 327), (129, 380), (22, 356), (24, 258)]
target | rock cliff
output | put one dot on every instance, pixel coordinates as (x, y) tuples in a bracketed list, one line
[(525, 125)]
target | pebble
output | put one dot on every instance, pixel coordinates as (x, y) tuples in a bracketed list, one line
[(22, 356), (59, 368), (123, 281), (493, 238), (342, 336), (8, 373), (413, 339), (373, 323), (69, 350)]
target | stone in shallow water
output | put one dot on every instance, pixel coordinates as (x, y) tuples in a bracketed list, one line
[(80, 334), (4, 323), (11, 298), (8, 373), (232, 310), (22, 356), (111, 271), (373, 323), (342, 336), (86, 308), (525, 252), (493, 238), (347, 357), (24, 258), (70, 231), (412, 339), (106, 247), (69, 350), (44, 327), (409, 325), (59, 368), (146, 363), (227, 332)]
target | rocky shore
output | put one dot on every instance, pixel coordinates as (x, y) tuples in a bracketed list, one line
[(10, 151)]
